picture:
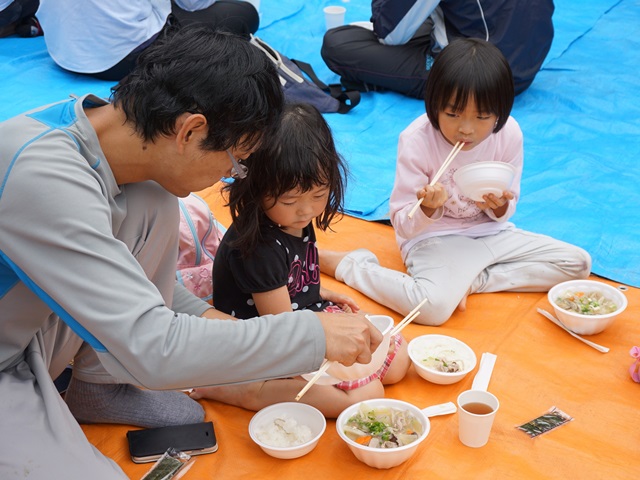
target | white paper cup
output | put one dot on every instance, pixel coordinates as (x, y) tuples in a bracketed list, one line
[(474, 424), (334, 16)]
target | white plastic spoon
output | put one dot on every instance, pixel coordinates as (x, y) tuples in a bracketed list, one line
[(441, 409)]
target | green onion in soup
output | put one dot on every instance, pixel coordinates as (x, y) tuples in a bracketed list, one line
[(586, 303), (383, 427)]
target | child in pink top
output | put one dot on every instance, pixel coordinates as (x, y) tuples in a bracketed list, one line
[(454, 246)]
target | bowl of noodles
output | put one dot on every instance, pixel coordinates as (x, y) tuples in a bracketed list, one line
[(441, 359), (383, 433), (587, 307)]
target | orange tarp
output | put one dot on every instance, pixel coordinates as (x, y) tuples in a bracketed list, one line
[(538, 366)]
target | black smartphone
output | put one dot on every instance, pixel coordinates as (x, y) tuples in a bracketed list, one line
[(149, 444)]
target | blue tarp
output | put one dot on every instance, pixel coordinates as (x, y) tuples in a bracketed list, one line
[(580, 118)]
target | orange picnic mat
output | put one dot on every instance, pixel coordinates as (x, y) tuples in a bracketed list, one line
[(538, 366)]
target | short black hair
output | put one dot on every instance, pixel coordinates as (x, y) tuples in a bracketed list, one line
[(301, 156), (195, 69), (470, 67)]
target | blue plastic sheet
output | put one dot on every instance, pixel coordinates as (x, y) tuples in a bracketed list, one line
[(580, 118)]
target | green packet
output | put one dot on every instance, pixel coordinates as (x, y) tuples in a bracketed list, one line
[(546, 422), (168, 465)]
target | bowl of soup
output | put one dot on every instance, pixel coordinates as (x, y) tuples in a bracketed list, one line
[(383, 432), (482, 178), (586, 307), (441, 359)]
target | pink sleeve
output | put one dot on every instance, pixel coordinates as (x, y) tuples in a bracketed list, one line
[(418, 159)]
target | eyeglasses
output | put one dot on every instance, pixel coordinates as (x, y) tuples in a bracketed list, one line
[(238, 170)]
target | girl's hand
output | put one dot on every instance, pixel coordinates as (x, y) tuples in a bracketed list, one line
[(497, 204), (346, 303), (433, 198)]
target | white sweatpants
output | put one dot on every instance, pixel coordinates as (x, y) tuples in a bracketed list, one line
[(443, 269)]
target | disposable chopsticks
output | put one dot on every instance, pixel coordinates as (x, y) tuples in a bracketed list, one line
[(447, 161), (408, 319), (325, 366)]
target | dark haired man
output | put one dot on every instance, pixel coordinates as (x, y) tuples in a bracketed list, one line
[(89, 222)]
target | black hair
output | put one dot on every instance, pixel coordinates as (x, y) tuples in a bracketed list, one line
[(470, 67), (195, 69), (301, 156)]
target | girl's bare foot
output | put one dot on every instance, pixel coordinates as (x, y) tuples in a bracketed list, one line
[(462, 306), (329, 260)]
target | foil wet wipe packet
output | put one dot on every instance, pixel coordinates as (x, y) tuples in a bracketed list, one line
[(546, 422)]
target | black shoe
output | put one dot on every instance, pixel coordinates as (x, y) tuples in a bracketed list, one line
[(29, 27), (360, 86)]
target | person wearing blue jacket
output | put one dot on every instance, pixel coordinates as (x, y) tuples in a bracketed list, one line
[(396, 53)]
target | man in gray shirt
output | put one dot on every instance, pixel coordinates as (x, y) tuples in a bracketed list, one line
[(89, 242)]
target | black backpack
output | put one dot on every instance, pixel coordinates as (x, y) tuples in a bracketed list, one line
[(297, 88)]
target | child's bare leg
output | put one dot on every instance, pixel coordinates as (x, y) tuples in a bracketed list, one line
[(400, 364), (329, 260), (243, 395), (255, 396)]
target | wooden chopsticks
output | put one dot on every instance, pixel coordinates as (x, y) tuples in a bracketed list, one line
[(454, 151), (408, 319), (325, 366)]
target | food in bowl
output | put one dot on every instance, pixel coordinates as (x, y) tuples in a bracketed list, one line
[(441, 359), (383, 457), (592, 302), (382, 427), (584, 317), (288, 429), (444, 358), (283, 431)]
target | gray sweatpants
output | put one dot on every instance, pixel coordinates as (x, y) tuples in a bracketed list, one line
[(443, 269), (39, 438)]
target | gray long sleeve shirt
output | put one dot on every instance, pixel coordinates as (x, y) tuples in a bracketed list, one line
[(63, 256)]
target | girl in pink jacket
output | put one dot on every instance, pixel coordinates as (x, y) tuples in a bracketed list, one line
[(453, 246)]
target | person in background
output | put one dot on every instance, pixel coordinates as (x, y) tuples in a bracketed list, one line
[(104, 39), (453, 246), (89, 222), (267, 262), (407, 35), (18, 17)]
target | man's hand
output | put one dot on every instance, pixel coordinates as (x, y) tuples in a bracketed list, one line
[(350, 337)]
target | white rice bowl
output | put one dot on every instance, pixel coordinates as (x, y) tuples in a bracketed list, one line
[(287, 430)]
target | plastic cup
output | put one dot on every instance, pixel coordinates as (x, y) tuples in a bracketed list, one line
[(334, 16), (476, 411)]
